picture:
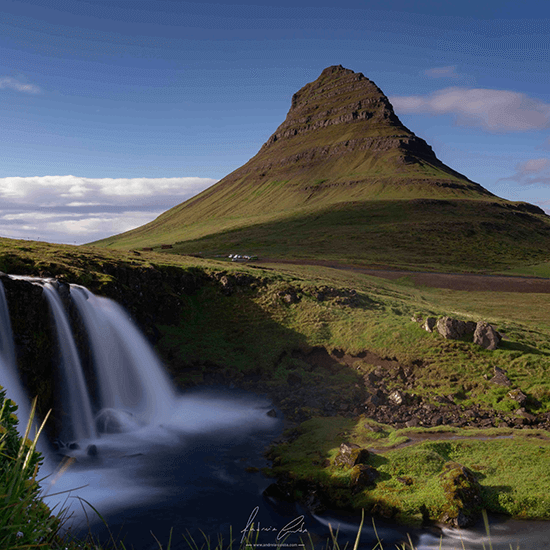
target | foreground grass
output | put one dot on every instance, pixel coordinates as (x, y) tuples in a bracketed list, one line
[(255, 333), (510, 465)]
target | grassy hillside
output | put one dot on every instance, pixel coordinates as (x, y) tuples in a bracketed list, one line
[(471, 235)]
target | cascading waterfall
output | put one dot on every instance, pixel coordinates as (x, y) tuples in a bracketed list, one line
[(80, 408), (9, 378), (138, 443), (130, 377)]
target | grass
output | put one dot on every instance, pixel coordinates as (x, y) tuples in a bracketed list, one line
[(252, 334), (511, 467), (25, 521), (460, 235)]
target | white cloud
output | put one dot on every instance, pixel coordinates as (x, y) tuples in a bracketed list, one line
[(14, 84), (70, 208), (442, 72), (531, 172), (492, 110)]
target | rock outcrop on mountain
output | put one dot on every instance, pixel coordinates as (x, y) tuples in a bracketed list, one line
[(347, 113), (340, 132)]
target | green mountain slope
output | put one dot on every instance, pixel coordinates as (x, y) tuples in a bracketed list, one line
[(340, 171)]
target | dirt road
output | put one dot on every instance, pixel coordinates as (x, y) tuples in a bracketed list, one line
[(453, 281)]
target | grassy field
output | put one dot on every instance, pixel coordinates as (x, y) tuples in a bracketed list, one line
[(451, 235), (251, 335)]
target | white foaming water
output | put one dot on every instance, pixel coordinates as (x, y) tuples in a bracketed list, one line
[(119, 477), (80, 408), (9, 377), (129, 375)]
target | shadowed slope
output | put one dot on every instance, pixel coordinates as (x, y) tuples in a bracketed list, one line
[(341, 148)]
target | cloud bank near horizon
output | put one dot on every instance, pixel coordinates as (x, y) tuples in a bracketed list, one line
[(495, 111), (76, 210)]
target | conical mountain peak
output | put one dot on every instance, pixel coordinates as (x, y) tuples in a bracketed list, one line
[(338, 161)]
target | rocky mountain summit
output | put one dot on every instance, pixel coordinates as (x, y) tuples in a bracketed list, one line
[(341, 131), (347, 114)]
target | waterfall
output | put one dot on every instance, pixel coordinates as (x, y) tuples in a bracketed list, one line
[(130, 377), (80, 408), (137, 443), (9, 377)]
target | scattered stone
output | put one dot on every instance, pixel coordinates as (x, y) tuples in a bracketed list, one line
[(372, 399), (92, 450), (522, 413), (518, 395), (396, 397), (362, 476), (500, 377), (74, 446), (486, 336), (351, 455), (272, 413)]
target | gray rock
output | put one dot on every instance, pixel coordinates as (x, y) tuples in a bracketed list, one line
[(486, 336), (451, 329), (500, 377)]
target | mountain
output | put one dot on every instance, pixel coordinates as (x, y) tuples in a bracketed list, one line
[(343, 178)]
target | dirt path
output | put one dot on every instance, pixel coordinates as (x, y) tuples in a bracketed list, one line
[(452, 281)]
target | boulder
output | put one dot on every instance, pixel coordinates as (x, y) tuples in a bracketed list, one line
[(463, 494), (451, 329), (362, 476), (486, 336), (500, 377), (351, 455)]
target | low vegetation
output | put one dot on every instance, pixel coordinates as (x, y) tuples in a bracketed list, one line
[(259, 327)]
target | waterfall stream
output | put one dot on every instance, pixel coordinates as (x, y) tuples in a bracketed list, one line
[(77, 396), (9, 378)]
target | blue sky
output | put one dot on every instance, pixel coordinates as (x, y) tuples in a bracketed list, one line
[(113, 111)]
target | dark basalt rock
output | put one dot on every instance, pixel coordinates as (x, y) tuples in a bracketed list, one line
[(500, 377), (362, 476), (351, 455), (486, 336), (463, 494)]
